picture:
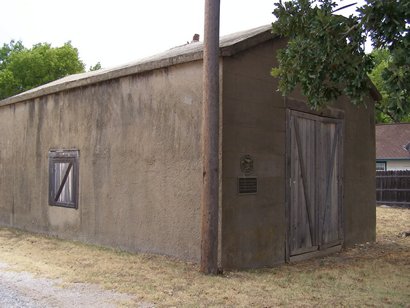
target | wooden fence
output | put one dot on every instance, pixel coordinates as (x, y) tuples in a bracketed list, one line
[(393, 188)]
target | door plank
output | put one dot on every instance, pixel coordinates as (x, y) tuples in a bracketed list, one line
[(308, 204), (315, 192), (330, 219), (328, 181)]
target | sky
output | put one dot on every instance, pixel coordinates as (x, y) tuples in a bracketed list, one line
[(122, 31)]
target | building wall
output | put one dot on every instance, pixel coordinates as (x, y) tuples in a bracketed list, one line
[(140, 162), (359, 173), (7, 164), (253, 226), (398, 165), (254, 122)]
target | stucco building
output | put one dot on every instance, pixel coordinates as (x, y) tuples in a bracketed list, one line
[(113, 157)]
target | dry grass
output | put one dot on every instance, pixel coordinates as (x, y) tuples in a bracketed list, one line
[(375, 274)]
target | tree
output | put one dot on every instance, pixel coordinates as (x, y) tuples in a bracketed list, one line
[(325, 53), (6, 50), (22, 69), (95, 67), (382, 59)]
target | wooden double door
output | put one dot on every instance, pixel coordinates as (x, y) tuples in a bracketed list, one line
[(314, 193)]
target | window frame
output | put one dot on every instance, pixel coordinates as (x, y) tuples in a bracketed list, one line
[(384, 165), (70, 156)]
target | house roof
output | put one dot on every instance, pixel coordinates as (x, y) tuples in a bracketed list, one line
[(229, 45), (392, 140)]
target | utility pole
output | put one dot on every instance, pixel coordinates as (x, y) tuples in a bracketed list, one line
[(210, 140)]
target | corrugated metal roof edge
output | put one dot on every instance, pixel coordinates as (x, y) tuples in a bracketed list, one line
[(229, 46)]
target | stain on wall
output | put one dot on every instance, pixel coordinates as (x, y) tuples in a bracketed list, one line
[(140, 162)]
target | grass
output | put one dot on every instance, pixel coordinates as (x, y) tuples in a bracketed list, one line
[(372, 274)]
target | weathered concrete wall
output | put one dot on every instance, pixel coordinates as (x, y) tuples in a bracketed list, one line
[(359, 174), (140, 162), (7, 164), (253, 226), (254, 122)]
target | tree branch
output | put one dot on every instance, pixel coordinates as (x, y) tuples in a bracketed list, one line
[(344, 7)]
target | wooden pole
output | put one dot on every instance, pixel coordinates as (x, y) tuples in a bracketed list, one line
[(210, 140)]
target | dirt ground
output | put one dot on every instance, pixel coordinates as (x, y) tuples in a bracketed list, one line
[(22, 289), (371, 274)]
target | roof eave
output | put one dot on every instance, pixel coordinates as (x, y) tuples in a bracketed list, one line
[(227, 49), (374, 93), (253, 41), (117, 73)]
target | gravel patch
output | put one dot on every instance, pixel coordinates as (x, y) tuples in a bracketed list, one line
[(22, 289)]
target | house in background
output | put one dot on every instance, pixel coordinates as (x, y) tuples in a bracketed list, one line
[(114, 157), (393, 147)]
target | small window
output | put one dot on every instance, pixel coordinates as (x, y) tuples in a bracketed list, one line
[(63, 178), (381, 166)]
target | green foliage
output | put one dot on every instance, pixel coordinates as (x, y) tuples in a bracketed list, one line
[(385, 112), (387, 23), (381, 59), (7, 49), (96, 67), (325, 52), (22, 69)]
